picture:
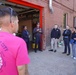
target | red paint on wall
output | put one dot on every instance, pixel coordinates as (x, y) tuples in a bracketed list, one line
[(25, 3)]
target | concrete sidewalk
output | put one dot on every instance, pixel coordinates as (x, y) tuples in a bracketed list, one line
[(50, 63)]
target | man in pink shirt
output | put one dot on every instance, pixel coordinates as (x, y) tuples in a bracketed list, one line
[(13, 50)]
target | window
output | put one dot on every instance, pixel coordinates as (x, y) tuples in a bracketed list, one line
[(65, 22), (74, 22)]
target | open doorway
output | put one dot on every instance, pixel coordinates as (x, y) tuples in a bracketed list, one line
[(28, 16)]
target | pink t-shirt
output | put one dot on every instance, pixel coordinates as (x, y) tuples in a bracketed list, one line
[(13, 53)]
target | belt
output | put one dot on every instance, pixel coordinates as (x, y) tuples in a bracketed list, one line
[(65, 36)]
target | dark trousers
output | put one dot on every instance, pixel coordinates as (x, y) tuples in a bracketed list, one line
[(37, 43), (67, 45), (27, 45)]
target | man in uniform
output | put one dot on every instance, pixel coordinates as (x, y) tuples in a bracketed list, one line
[(66, 38), (37, 36), (25, 36)]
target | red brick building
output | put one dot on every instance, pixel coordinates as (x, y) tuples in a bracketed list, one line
[(64, 14)]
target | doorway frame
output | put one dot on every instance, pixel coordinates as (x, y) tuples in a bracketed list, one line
[(28, 4)]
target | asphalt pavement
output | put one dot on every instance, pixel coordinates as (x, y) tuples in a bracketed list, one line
[(51, 63)]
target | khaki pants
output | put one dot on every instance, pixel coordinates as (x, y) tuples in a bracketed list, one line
[(54, 43)]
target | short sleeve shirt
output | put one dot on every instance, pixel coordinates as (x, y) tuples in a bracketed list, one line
[(13, 53)]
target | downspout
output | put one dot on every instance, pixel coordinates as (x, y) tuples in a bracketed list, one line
[(50, 6)]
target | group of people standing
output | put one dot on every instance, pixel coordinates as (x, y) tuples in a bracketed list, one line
[(69, 37), (37, 37)]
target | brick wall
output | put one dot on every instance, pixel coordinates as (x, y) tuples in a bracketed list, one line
[(60, 8)]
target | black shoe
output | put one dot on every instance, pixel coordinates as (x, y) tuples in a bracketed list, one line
[(51, 50), (40, 50), (54, 50), (68, 54), (63, 52), (35, 51)]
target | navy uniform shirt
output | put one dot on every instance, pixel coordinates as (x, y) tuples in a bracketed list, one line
[(37, 33), (25, 35), (67, 34)]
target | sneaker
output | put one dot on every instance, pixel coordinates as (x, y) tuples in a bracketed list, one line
[(74, 58), (63, 52), (54, 50), (68, 54), (51, 50)]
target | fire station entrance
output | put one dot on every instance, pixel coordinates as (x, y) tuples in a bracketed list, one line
[(28, 14)]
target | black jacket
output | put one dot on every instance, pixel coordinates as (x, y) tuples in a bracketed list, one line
[(25, 35), (74, 36), (67, 34), (55, 33)]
